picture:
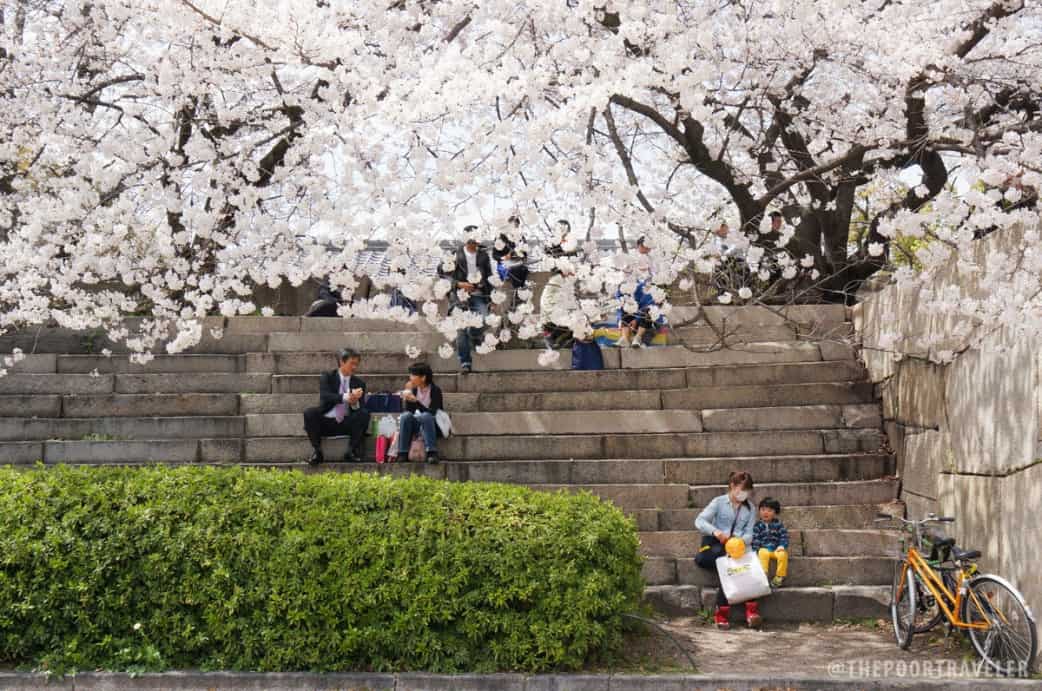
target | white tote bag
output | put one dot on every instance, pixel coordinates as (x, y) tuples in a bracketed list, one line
[(444, 422), (743, 578)]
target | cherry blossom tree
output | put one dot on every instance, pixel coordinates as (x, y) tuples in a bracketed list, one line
[(164, 157)]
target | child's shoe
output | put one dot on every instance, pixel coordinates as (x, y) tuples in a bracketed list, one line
[(722, 617), (752, 614), (777, 581)]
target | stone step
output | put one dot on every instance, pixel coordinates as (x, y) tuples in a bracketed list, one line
[(749, 353), (797, 517), (290, 449), (862, 415), (313, 363), (627, 496), (674, 471), (598, 382), (177, 364), (755, 315), (30, 429), (364, 342), (787, 604), (828, 542), (179, 383), (42, 405), (801, 468), (650, 399), (809, 493), (829, 393), (690, 445), (24, 384), (143, 451), (703, 335), (523, 422), (803, 571), (152, 404)]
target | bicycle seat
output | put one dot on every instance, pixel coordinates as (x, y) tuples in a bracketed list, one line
[(941, 543), (965, 555)]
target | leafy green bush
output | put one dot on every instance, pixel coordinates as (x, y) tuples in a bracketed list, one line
[(239, 569)]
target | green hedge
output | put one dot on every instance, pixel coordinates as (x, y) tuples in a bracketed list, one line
[(239, 569)]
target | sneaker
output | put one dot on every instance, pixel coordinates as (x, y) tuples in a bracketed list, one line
[(432, 457), (619, 343), (403, 458), (316, 458), (776, 582), (641, 344), (464, 368)]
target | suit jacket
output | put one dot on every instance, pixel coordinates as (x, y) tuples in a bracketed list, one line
[(329, 390)]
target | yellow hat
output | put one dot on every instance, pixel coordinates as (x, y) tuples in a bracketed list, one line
[(735, 547)]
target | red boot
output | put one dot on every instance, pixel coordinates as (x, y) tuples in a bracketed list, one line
[(752, 614), (722, 617)]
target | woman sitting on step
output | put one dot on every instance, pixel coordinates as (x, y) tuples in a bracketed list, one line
[(423, 400), (729, 515)]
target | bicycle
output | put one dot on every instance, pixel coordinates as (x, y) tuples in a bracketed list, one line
[(992, 613)]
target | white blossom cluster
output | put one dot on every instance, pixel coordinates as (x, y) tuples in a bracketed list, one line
[(166, 157)]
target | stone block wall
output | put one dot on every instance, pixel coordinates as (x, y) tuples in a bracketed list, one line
[(965, 432)]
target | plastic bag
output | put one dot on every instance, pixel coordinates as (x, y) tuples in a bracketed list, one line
[(743, 578), (387, 426)]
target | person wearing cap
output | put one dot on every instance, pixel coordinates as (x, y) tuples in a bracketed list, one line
[(470, 275)]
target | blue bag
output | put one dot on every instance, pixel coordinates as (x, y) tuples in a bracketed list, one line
[(587, 355), (383, 403)]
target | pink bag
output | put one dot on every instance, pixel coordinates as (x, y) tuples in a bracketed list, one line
[(416, 451), (383, 444)]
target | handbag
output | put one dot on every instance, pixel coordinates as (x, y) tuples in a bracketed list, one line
[(586, 355), (444, 422), (709, 541), (416, 451), (384, 402)]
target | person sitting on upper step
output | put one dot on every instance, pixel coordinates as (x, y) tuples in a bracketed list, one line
[(729, 515), (340, 410), (423, 400)]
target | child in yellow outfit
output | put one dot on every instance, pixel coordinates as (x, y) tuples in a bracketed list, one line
[(771, 540)]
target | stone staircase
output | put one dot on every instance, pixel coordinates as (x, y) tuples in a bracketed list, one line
[(656, 432)]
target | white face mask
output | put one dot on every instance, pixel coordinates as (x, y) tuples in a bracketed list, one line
[(741, 495)]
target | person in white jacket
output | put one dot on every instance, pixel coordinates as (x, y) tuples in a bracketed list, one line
[(555, 304)]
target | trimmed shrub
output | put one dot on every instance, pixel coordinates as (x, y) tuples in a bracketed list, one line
[(244, 569)]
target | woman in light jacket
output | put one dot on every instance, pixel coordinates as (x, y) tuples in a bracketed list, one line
[(729, 515)]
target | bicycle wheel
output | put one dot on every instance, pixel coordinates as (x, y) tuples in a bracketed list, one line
[(928, 613), (1009, 644), (902, 604)]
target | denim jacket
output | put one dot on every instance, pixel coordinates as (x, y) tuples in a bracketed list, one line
[(719, 514)]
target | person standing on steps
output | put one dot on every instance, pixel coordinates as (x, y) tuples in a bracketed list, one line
[(339, 411), (471, 292), (423, 400), (729, 515)]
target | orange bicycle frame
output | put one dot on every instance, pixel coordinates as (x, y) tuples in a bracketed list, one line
[(949, 603)]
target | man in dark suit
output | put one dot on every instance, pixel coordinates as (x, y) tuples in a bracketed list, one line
[(471, 273), (339, 410)]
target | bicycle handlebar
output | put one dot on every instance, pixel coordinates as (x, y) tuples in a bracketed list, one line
[(930, 518)]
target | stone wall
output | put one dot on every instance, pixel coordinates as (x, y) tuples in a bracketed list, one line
[(965, 432)]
